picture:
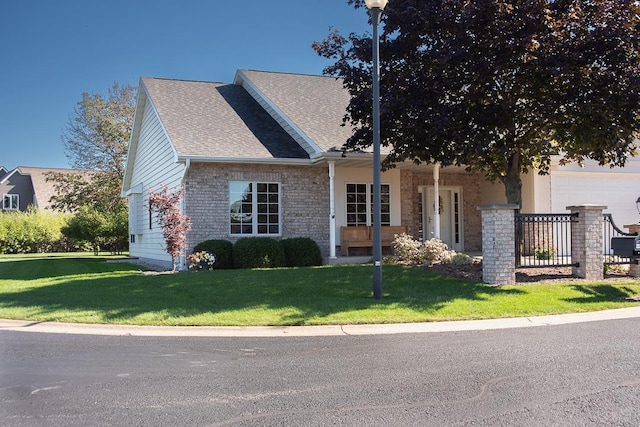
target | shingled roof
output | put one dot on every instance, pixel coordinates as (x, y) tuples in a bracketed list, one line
[(315, 104), (217, 120), (43, 190)]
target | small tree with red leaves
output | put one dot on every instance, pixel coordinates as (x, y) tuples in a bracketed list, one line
[(170, 217)]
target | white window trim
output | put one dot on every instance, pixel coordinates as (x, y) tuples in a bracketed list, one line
[(369, 213), (11, 197), (254, 209)]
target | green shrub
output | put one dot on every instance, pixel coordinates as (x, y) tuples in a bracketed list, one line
[(98, 230), (258, 252), (32, 231), (222, 249), (301, 252)]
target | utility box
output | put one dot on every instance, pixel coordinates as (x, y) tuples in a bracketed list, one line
[(626, 246)]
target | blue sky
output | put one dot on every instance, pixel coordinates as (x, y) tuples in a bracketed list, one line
[(53, 50)]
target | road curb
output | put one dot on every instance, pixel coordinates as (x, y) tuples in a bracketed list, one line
[(326, 330)]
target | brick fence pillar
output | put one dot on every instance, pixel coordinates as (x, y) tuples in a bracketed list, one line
[(587, 244), (498, 244)]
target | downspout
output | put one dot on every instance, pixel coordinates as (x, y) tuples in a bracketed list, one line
[(183, 206), (332, 211), (436, 200)]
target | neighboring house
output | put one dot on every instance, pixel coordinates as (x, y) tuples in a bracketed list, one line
[(27, 186), (263, 157)]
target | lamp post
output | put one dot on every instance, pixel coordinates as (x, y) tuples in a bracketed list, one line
[(375, 9)]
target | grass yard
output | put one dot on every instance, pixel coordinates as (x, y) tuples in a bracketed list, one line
[(85, 288)]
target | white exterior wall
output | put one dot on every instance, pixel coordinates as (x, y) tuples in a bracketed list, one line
[(536, 193), (492, 193), (346, 176), (155, 165), (618, 192)]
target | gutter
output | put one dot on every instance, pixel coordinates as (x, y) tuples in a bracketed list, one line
[(248, 160)]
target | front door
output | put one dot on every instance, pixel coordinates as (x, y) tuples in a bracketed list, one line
[(449, 205)]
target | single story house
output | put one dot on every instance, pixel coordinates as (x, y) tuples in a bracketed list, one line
[(27, 186), (262, 156)]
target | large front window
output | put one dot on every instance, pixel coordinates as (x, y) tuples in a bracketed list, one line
[(254, 208), (360, 204), (10, 202)]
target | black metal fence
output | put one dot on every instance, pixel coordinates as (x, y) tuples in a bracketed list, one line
[(543, 240), (609, 230)]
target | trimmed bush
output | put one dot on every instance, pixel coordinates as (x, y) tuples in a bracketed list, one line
[(258, 252), (32, 231), (301, 252), (222, 249)]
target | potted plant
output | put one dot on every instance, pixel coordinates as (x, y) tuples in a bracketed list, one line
[(201, 260)]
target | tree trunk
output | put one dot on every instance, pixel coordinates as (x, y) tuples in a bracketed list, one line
[(513, 190)]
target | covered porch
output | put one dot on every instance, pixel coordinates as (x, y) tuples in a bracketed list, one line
[(428, 200)]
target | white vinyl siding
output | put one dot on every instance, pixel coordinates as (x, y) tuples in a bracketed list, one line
[(617, 191), (136, 210), (155, 165)]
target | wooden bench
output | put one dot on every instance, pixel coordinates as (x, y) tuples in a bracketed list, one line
[(361, 236), (355, 237), (389, 233)]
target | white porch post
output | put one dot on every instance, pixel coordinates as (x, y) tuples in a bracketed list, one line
[(436, 201), (332, 210)]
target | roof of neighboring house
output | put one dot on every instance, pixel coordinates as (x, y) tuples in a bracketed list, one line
[(315, 104), (218, 120), (42, 189)]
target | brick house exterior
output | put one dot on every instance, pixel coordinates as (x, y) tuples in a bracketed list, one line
[(282, 132), (280, 136), (304, 190)]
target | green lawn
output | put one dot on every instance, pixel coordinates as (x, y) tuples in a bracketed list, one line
[(84, 288)]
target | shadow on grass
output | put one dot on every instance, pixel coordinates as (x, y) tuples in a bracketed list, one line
[(51, 266), (600, 293), (121, 294)]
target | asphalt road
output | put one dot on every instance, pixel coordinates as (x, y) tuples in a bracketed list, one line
[(585, 374)]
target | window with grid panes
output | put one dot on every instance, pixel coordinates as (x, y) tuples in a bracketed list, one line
[(360, 204), (254, 208)]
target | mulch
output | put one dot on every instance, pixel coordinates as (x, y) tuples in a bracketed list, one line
[(473, 272)]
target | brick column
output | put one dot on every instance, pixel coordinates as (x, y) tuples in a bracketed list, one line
[(587, 245), (498, 243)]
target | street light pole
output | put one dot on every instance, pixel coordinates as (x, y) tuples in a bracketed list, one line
[(375, 9)]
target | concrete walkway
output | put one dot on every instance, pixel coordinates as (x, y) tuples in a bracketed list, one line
[(329, 330)]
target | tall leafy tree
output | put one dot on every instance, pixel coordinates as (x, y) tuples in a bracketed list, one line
[(498, 86), (96, 140)]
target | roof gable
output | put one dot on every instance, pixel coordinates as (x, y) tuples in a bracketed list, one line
[(43, 189), (316, 105), (216, 120)]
